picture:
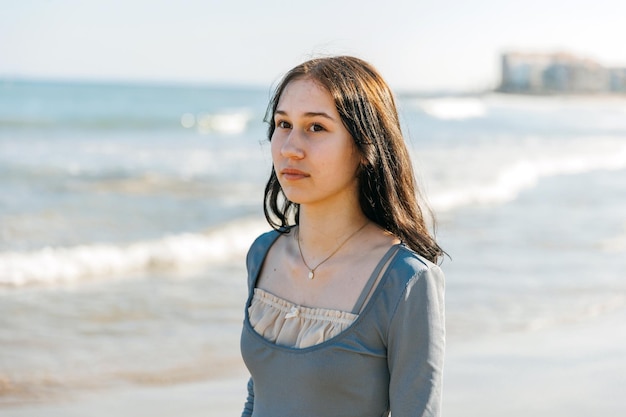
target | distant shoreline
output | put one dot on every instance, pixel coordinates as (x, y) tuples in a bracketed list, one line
[(551, 93), (6, 82), (475, 94)]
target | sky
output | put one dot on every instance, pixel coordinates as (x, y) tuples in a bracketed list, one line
[(416, 44)]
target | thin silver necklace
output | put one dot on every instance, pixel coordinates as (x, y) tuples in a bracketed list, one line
[(312, 270)]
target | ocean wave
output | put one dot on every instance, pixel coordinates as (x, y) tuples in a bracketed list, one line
[(96, 122), (590, 310), (226, 122), (615, 244), (525, 174), (457, 108), (73, 264)]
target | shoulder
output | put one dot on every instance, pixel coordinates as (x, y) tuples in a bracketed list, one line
[(259, 248), (262, 243), (415, 291), (265, 239), (409, 297), (413, 264), (408, 269)]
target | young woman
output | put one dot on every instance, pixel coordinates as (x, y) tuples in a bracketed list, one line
[(345, 314)]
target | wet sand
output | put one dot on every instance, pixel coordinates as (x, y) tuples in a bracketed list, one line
[(574, 369)]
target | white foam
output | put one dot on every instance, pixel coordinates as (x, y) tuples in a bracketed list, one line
[(63, 265), (453, 108), (226, 122), (616, 244), (525, 174)]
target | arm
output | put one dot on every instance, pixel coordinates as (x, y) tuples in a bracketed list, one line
[(249, 406), (416, 343)]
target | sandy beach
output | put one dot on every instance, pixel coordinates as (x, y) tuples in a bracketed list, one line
[(575, 369), (124, 235)]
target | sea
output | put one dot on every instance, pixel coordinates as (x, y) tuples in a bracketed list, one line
[(126, 210)]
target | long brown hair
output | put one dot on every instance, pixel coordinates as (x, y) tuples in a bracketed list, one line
[(388, 193)]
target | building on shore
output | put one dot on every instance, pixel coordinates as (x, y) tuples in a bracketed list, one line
[(558, 73)]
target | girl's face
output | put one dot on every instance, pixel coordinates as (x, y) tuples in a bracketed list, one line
[(314, 156)]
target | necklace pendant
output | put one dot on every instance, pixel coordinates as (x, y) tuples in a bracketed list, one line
[(311, 274)]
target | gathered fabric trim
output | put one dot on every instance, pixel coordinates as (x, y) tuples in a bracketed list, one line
[(288, 324)]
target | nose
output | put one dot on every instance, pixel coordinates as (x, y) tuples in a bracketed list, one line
[(292, 146)]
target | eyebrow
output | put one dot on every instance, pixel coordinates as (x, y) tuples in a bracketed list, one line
[(309, 114)]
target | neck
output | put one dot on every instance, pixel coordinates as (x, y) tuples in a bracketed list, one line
[(321, 232)]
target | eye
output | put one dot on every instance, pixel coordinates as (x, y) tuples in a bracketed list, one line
[(315, 127), (283, 124)]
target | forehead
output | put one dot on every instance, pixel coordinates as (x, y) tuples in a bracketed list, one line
[(305, 93)]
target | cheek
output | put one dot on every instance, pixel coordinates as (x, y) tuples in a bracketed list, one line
[(275, 146), (356, 159)]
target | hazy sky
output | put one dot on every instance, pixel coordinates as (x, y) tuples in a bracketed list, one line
[(416, 44)]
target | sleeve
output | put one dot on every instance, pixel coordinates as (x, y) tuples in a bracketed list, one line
[(416, 344), (249, 406)]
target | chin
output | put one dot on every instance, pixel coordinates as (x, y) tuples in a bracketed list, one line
[(294, 195)]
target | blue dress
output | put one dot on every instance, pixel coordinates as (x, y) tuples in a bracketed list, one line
[(390, 359)]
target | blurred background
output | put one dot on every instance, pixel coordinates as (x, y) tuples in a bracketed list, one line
[(133, 158)]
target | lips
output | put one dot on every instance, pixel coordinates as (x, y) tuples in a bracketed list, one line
[(293, 174)]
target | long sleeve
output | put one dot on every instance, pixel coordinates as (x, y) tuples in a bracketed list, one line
[(249, 406), (416, 344)]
